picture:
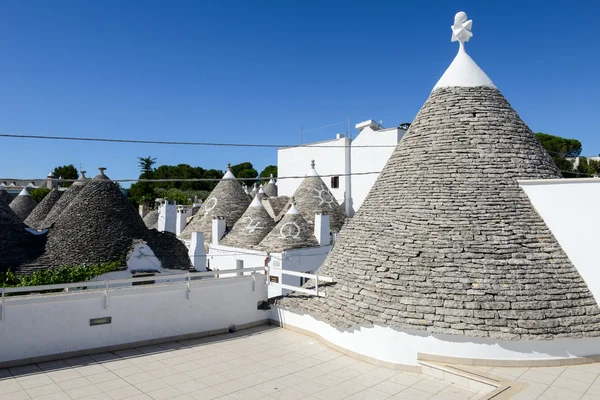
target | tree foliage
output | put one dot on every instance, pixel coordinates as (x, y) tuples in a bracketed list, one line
[(562, 151), (588, 166), (66, 172), (39, 194), (245, 170), (267, 172)]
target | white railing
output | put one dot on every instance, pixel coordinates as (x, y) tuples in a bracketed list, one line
[(106, 285), (317, 278)]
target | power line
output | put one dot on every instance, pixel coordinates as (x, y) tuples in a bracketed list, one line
[(215, 144)]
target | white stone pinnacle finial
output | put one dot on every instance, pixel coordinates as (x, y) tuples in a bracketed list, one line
[(312, 164), (461, 30)]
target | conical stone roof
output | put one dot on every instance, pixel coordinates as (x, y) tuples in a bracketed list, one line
[(65, 199), (100, 225), (261, 194), (313, 196), (274, 205), (39, 213), (23, 204), (151, 219), (251, 228), (4, 196), (270, 188), (447, 242), (17, 245), (292, 232), (227, 199)]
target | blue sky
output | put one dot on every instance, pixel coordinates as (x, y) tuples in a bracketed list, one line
[(242, 71)]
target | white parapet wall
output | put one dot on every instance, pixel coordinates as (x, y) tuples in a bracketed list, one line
[(398, 346), (34, 326), (570, 208)]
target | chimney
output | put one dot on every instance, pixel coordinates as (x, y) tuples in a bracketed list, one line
[(167, 215), (143, 209), (368, 123), (218, 229), (182, 215), (197, 251), (322, 229)]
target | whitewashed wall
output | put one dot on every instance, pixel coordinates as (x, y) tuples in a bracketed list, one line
[(370, 159), (50, 324), (571, 209), (298, 260), (330, 158), (225, 258)]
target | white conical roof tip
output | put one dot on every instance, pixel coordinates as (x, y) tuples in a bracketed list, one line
[(463, 72), (256, 202), (24, 192), (312, 171), (228, 174)]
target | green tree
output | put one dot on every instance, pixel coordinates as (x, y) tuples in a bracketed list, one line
[(66, 172), (245, 170), (268, 171), (146, 164), (39, 194), (562, 151)]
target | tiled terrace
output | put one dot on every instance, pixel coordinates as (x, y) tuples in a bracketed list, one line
[(261, 363)]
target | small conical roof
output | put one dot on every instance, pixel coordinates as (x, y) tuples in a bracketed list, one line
[(292, 232), (313, 196), (4, 196), (39, 213), (447, 241), (23, 204), (251, 228), (261, 193), (64, 201), (17, 245), (271, 188), (101, 225), (254, 190), (227, 199), (151, 219)]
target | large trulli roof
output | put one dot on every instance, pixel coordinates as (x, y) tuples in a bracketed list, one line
[(271, 188), (447, 241), (251, 228), (274, 206), (17, 245), (39, 213), (313, 196), (23, 204), (227, 199), (291, 232), (4, 196), (100, 225), (64, 201)]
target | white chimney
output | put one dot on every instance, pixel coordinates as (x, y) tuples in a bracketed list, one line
[(218, 229), (368, 123), (197, 251), (183, 213), (322, 229), (167, 216)]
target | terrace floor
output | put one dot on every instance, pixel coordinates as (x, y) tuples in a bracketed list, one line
[(260, 363)]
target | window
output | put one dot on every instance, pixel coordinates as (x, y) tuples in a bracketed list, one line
[(335, 182)]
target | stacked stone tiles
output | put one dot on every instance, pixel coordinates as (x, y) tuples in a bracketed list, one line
[(227, 199), (275, 205), (313, 196), (17, 245), (101, 225), (270, 188), (251, 228), (64, 201), (261, 194), (151, 219), (447, 241), (4, 196), (23, 204), (39, 213), (291, 232)]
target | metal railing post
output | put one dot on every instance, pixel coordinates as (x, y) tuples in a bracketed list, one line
[(188, 285), (106, 295), (2, 307), (317, 284)]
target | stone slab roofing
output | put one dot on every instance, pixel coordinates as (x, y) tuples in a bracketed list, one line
[(227, 199), (100, 225), (151, 219), (64, 201), (312, 197), (251, 228), (17, 245), (447, 242), (39, 213), (4, 196), (291, 232), (275, 205), (271, 188), (23, 204)]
